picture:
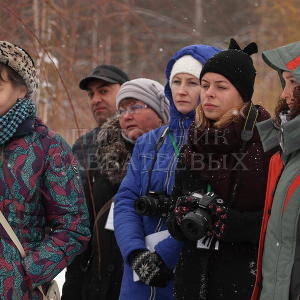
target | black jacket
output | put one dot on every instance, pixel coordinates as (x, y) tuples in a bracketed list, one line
[(97, 273), (228, 273)]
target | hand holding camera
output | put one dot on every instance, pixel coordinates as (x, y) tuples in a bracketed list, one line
[(195, 215), (220, 215), (198, 215), (191, 216)]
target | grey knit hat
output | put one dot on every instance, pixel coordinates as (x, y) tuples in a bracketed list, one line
[(148, 91), (21, 62)]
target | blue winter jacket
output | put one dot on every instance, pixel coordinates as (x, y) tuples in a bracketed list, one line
[(131, 228)]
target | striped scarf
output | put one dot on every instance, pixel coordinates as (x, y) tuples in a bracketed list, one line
[(9, 122)]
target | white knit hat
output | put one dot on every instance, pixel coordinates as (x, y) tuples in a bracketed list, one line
[(186, 64)]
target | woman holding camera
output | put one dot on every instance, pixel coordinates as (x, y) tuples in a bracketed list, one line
[(152, 168), (97, 273), (225, 153)]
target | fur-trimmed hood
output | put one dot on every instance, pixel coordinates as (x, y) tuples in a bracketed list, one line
[(113, 152)]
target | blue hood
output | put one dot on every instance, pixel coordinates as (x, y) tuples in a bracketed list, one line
[(200, 52)]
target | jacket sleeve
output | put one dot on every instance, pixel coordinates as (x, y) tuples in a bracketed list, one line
[(128, 225), (169, 250), (131, 236), (66, 216), (294, 198), (185, 181)]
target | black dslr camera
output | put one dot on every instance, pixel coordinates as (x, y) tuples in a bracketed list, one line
[(154, 204), (197, 221)]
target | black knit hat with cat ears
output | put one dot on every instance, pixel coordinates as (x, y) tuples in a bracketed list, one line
[(237, 66)]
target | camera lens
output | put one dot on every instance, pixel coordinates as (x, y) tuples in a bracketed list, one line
[(146, 206), (195, 224), (174, 229)]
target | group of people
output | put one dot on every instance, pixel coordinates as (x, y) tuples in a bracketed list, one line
[(187, 191)]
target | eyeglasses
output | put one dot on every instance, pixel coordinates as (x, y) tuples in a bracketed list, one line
[(132, 109)]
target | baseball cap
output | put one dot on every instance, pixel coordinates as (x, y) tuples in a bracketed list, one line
[(107, 73)]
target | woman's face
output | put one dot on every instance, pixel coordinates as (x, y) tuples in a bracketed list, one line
[(218, 96), (136, 118), (9, 94), (287, 94), (185, 90)]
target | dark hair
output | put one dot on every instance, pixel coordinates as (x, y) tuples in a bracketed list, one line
[(282, 106), (296, 95), (12, 76)]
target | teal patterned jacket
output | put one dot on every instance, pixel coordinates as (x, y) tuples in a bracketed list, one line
[(42, 199)]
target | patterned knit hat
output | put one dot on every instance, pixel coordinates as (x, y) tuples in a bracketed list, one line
[(236, 65), (21, 62)]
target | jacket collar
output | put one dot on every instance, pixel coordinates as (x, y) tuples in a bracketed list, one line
[(289, 133), (26, 127)]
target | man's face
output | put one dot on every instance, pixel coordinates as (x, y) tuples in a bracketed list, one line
[(102, 99)]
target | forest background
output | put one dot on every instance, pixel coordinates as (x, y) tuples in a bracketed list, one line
[(67, 38)]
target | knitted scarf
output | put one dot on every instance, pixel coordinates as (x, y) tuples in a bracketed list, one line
[(9, 122), (114, 151)]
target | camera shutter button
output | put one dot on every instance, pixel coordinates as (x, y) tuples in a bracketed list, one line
[(220, 201)]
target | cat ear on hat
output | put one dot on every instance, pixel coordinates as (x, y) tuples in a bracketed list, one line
[(234, 45), (249, 49)]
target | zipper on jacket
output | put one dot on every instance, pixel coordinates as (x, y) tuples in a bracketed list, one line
[(281, 143)]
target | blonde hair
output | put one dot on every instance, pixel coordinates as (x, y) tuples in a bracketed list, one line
[(201, 122)]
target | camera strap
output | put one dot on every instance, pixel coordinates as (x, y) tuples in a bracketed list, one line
[(157, 148), (247, 132), (176, 149), (246, 136)]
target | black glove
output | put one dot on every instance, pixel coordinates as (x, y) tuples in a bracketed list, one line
[(231, 225), (219, 213), (184, 205), (150, 268)]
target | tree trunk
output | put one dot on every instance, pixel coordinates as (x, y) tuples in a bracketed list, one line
[(199, 18)]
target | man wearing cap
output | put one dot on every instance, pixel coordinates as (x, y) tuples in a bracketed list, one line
[(102, 86)]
